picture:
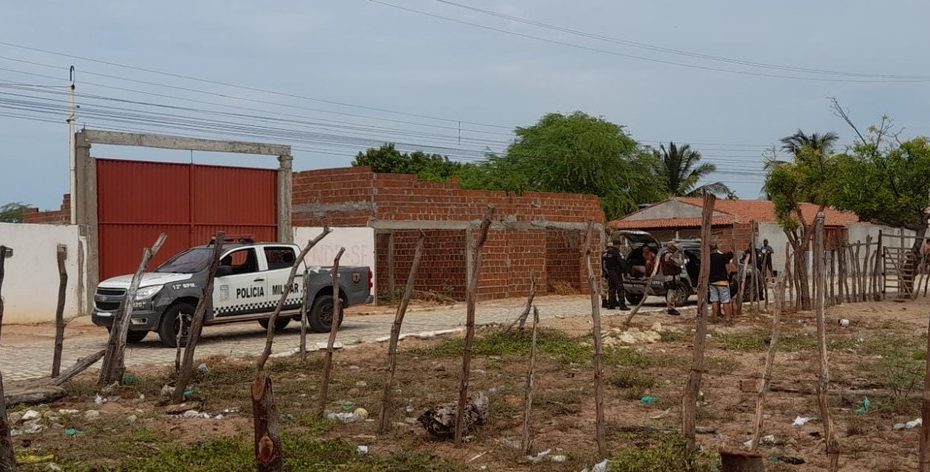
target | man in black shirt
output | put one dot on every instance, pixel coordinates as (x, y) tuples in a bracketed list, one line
[(614, 266), (720, 282)]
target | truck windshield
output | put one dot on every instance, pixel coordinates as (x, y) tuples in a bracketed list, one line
[(188, 262)]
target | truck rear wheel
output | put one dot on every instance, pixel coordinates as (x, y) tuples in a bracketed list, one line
[(633, 298), (279, 324), (321, 314), (170, 323)]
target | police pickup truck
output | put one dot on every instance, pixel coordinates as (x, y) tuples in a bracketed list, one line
[(249, 282)]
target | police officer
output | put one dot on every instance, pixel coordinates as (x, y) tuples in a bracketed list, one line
[(614, 265)]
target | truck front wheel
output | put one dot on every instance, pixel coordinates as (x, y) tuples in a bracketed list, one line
[(279, 324), (321, 314), (170, 323)]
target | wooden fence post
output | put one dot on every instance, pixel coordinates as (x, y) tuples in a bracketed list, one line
[(823, 383), (526, 442), (113, 361), (269, 456), (769, 364), (186, 370), (599, 422), (754, 260), (521, 320), (7, 457), (385, 423), (333, 328), (689, 399), (304, 300), (924, 449), (471, 298), (62, 254)]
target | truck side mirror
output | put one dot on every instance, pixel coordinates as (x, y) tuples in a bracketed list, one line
[(223, 270)]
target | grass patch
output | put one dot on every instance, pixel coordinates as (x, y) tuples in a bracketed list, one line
[(758, 341), (303, 451), (660, 452), (498, 342), (635, 383)]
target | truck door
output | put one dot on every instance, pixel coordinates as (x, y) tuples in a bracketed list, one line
[(245, 290), (279, 260)]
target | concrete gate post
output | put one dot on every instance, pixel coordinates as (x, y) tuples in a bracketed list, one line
[(285, 198)]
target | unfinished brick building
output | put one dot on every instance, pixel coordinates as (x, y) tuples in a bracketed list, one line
[(539, 233)]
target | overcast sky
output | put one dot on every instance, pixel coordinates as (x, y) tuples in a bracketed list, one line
[(311, 60)]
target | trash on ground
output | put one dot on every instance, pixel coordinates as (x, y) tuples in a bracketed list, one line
[(538, 457), (72, 432), (361, 384), (203, 369), (910, 424), (362, 449), (800, 421), (344, 417), (558, 458), (30, 415), (361, 413), (844, 323), (440, 421), (661, 415), (99, 400), (647, 400), (27, 459), (189, 393), (32, 427), (130, 379), (864, 409), (167, 390), (768, 440)]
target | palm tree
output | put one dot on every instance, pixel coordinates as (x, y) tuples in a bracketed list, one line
[(680, 171), (820, 145)]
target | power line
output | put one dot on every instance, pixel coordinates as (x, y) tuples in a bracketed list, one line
[(697, 55), (244, 87), (637, 57)]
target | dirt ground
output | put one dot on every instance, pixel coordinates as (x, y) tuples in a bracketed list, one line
[(880, 355)]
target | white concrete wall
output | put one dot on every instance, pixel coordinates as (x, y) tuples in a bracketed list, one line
[(30, 286), (777, 239), (359, 244)]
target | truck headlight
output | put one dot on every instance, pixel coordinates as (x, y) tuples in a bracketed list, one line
[(148, 292)]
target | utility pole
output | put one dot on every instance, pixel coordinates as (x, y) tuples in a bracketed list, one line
[(72, 123)]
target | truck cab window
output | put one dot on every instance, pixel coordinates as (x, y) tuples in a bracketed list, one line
[(242, 261), (280, 257)]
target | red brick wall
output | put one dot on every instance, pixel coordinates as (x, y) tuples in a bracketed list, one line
[(442, 267), (61, 216), (358, 197), (337, 197)]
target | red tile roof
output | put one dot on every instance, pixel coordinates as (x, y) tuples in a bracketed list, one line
[(667, 223), (737, 211)]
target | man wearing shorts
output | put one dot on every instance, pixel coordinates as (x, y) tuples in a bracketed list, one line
[(720, 282)]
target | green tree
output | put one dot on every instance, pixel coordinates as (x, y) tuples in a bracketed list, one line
[(680, 171), (12, 212), (387, 159), (885, 180), (578, 153), (806, 179)]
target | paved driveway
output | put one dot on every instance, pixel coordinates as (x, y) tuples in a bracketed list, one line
[(26, 351)]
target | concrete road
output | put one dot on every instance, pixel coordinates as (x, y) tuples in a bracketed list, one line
[(26, 351)]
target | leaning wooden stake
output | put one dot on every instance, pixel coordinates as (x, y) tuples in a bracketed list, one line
[(186, 368), (386, 400), (690, 397), (60, 311), (80, 366), (7, 457), (526, 442), (268, 453), (304, 300), (333, 327), (599, 423), (769, 364), (754, 259), (521, 320), (646, 288), (823, 383), (924, 454), (471, 295), (113, 361)]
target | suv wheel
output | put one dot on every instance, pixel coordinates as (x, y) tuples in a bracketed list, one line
[(170, 323), (134, 337), (633, 298), (321, 315), (279, 324)]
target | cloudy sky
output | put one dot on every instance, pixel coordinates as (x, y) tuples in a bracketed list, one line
[(332, 77)]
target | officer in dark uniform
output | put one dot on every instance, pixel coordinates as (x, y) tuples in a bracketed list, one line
[(614, 265)]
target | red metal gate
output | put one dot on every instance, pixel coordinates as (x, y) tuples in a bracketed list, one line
[(189, 202)]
